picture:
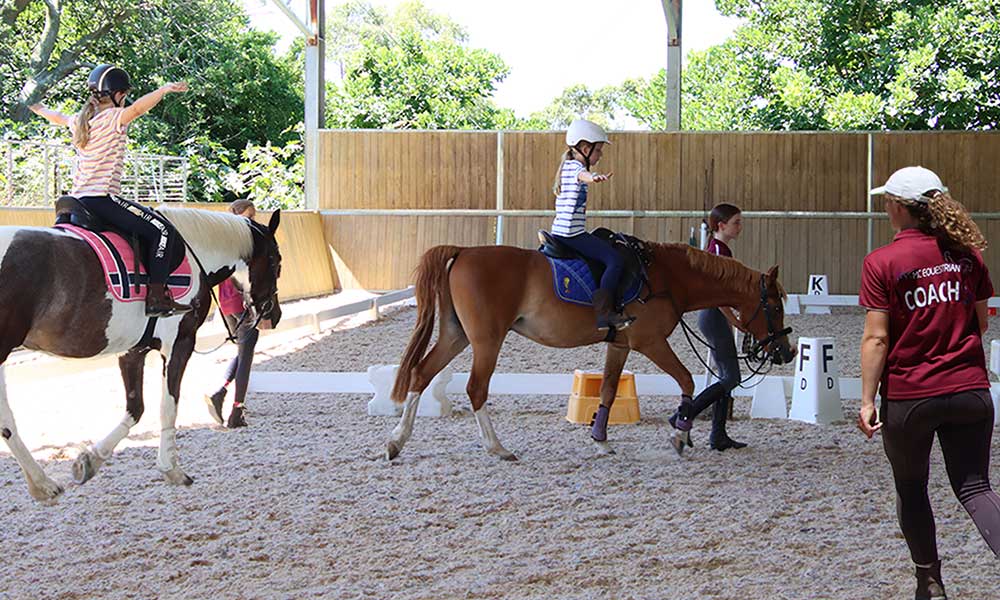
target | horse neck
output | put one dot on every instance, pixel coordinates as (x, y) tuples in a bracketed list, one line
[(708, 282), (213, 241)]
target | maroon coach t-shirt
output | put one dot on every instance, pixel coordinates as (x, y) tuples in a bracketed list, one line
[(934, 343), (716, 247)]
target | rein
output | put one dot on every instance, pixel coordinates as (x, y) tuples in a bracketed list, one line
[(754, 353)]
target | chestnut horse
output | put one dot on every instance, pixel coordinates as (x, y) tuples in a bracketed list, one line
[(53, 298), (486, 291)]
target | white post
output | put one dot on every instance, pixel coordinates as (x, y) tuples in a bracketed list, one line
[(314, 116), (500, 177), (672, 11), (868, 199)]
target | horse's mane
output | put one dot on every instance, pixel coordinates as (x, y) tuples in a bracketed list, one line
[(212, 230), (727, 270)]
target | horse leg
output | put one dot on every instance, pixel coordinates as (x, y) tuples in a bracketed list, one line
[(450, 342), (484, 361), (40, 486), (662, 355), (89, 461), (614, 363), (175, 361)]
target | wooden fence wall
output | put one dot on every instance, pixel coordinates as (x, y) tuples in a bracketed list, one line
[(306, 267), (780, 172)]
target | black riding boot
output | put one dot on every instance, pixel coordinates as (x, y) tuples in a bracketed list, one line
[(929, 585), (607, 316), (719, 440), (159, 302)]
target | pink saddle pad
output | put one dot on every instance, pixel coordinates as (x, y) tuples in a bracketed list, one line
[(118, 263)]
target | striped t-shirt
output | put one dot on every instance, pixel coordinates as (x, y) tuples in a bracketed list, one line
[(99, 166), (571, 203)]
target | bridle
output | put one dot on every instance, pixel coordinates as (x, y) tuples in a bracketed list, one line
[(753, 350), (262, 307)]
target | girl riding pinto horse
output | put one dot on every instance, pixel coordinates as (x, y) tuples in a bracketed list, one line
[(100, 132)]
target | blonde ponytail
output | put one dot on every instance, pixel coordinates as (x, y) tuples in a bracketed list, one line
[(81, 128), (946, 218), (557, 184)]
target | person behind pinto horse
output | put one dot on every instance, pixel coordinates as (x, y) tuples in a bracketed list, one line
[(100, 133), (585, 141), (922, 350), (238, 312), (716, 324)]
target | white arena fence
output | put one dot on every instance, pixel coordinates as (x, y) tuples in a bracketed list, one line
[(378, 379), (36, 173)]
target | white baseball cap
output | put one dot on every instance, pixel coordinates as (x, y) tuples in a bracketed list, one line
[(911, 183)]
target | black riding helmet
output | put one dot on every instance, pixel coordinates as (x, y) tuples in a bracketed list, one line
[(105, 80)]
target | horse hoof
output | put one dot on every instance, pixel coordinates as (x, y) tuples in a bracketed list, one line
[(604, 447), (177, 477), (678, 443), (46, 492), (391, 450), (84, 468), (508, 456)]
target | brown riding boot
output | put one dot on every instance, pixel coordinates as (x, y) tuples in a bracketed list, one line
[(607, 317), (929, 585), (159, 302)]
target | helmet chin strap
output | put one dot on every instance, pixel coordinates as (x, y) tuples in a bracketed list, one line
[(586, 157)]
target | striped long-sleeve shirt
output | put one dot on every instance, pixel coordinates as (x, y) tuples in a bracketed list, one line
[(99, 166), (571, 203)]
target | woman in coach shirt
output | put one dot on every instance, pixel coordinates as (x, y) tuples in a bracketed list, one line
[(922, 349)]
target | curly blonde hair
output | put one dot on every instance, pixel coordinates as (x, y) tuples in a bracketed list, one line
[(946, 218)]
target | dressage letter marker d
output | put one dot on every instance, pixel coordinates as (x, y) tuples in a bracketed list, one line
[(816, 395)]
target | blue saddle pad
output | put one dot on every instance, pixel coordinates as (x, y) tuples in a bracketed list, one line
[(575, 283)]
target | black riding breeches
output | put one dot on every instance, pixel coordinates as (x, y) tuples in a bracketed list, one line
[(159, 236), (964, 426), (719, 334), (239, 367)]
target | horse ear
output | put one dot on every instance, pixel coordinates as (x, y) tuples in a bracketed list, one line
[(272, 226), (772, 273)]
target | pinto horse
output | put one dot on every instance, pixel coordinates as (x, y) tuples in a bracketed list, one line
[(486, 291), (53, 298)]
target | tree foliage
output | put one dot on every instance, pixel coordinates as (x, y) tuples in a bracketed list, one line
[(241, 92), (841, 64), (411, 69), (600, 105)]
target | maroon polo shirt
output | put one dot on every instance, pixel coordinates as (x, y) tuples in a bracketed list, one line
[(934, 343), (716, 247)]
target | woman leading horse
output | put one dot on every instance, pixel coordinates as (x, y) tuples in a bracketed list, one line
[(484, 292)]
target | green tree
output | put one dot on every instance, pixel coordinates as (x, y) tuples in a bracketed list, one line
[(841, 64), (241, 92), (578, 101), (412, 69)]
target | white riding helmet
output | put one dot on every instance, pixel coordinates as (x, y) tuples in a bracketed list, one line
[(582, 130)]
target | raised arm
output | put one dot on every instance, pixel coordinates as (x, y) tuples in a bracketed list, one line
[(144, 104), (53, 116)]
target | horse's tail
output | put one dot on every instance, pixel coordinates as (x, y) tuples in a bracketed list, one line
[(431, 285)]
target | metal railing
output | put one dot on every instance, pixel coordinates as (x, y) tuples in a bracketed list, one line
[(36, 173)]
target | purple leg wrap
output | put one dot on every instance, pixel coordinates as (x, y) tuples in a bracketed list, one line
[(600, 429)]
